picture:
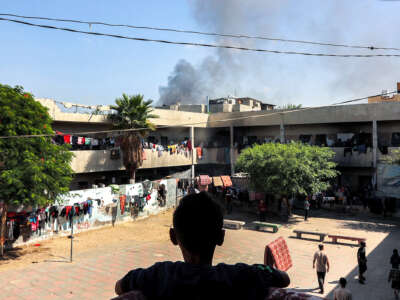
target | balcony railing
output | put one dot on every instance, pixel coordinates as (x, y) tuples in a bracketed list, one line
[(87, 161)]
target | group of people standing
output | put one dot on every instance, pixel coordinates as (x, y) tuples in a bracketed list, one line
[(321, 263)]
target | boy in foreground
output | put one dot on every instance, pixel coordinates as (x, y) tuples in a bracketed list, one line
[(197, 230)]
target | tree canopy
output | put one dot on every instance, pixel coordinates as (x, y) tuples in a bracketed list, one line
[(33, 171), (286, 169), (132, 112)]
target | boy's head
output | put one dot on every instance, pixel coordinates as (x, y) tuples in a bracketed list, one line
[(343, 282), (198, 222), (321, 247)]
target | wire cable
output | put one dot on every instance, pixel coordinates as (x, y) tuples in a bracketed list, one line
[(119, 131), (241, 36), (198, 44)]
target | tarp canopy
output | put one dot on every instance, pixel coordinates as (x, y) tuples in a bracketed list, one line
[(226, 181), (218, 181)]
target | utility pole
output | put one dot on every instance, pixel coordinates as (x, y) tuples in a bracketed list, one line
[(231, 152), (282, 130), (72, 234), (193, 150)]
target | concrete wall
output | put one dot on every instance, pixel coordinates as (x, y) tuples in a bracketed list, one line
[(166, 117), (322, 115), (104, 211)]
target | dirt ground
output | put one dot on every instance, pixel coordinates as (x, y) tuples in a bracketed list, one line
[(153, 228)]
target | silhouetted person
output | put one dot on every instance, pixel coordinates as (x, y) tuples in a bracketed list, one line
[(262, 210), (395, 259), (341, 293), (322, 261), (306, 208), (197, 230), (362, 262)]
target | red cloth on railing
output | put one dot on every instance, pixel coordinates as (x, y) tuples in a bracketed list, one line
[(277, 254)]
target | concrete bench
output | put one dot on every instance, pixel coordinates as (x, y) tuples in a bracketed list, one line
[(300, 232), (261, 225), (335, 238), (232, 224)]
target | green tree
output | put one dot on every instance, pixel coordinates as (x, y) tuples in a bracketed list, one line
[(33, 171), (286, 169), (393, 158), (132, 112)]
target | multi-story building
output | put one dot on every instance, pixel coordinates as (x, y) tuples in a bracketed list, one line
[(360, 135), (227, 104)]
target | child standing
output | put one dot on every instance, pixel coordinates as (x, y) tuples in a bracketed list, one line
[(394, 276)]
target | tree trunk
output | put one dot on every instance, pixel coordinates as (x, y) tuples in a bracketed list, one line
[(3, 228), (132, 175)]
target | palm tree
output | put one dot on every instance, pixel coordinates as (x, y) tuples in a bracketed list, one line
[(132, 112)]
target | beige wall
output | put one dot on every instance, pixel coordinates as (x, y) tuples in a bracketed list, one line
[(166, 117)]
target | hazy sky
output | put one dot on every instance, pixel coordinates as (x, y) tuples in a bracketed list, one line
[(95, 70)]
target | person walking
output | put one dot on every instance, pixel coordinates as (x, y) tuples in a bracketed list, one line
[(362, 262), (306, 208), (322, 261), (394, 276), (341, 293)]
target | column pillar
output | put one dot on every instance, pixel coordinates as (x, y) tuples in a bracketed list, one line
[(232, 149), (193, 150), (374, 142)]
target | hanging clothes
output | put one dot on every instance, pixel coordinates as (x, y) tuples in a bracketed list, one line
[(88, 141), (199, 152), (67, 139), (122, 201), (80, 140)]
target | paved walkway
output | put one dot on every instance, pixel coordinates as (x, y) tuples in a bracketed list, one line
[(93, 275)]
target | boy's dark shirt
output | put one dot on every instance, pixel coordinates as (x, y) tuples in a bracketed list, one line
[(179, 280)]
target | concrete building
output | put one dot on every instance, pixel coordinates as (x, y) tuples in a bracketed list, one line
[(234, 104), (228, 104), (361, 136), (386, 97)]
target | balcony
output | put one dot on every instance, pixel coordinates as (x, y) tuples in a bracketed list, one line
[(345, 157), (87, 161)]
